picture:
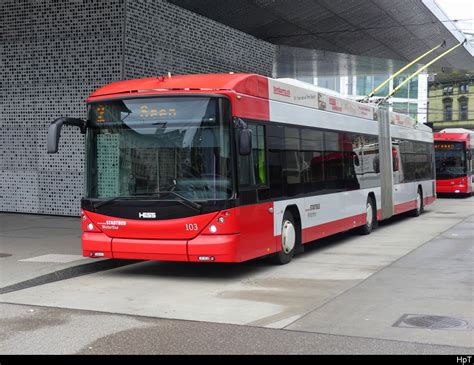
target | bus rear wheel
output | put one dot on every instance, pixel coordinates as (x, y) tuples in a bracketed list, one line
[(289, 240), (370, 217), (419, 204)]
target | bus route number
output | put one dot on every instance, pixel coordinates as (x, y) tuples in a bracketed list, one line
[(192, 227)]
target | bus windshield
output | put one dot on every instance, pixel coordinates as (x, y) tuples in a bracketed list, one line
[(144, 147), (450, 160)]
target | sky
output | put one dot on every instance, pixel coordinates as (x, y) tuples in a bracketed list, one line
[(461, 10)]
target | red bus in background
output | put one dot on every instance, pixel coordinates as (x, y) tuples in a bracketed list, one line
[(231, 167), (454, 166)]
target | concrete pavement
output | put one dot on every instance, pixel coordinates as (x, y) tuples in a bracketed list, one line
[(252, 293), (346, 286), (47, 243), (433, 282), (40, 330), (37, 249)]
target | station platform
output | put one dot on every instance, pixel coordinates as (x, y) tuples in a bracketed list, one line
[(38, 249)]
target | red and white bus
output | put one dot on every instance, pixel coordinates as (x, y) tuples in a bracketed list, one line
[(231, 167), (454, 168)]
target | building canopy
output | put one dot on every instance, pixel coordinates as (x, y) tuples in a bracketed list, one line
[(390, 29)]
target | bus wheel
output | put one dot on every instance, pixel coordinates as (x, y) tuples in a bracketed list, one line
[(370, 217), (419, 204), (288, 241)]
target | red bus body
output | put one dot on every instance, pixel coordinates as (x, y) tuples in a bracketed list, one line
[(463, 140), (245, 231), (236, 240)]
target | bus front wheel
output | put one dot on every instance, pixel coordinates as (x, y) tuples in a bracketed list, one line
[(289, 240)]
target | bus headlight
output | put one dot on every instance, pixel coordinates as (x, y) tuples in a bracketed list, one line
[(87, 224)]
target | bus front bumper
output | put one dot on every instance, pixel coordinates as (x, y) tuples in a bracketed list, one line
[(451, 190), (453, 186), (203, 248)]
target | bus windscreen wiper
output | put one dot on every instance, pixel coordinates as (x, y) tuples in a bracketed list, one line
[(184, 200), (110, 200), (189, 203)]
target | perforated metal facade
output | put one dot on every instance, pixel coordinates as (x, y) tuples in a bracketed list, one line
[(54, 53)]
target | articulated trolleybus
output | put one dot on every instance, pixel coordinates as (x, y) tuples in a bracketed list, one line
[(454, 166), (231, 167)]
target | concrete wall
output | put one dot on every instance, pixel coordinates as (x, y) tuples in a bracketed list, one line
[(162, 38), (54, 53)]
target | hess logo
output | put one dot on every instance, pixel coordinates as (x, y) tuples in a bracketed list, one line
[(147, 215)]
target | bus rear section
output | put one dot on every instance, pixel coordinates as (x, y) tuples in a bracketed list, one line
[(228, 168), (454, 166)]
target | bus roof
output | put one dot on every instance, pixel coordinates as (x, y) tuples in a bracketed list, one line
[(250, 84), (279, 90), (455, 134)]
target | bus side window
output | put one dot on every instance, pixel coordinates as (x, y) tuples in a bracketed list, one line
[(472, 161), (312, 154), (396, 161), (292, 165), (275, 147), (333, 161), (351, 161)]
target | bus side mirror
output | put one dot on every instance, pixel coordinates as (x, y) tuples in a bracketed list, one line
[(54, 131), (245, 142), (469, 155)]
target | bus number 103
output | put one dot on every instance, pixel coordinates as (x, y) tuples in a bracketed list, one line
[(191, 227)]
